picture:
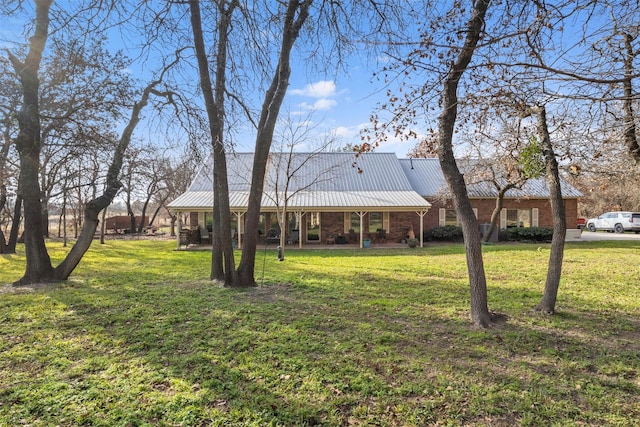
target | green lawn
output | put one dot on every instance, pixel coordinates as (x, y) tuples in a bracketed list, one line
[(138, 336)]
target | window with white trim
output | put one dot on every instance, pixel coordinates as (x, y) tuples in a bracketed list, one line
[(375, 221), (518, 218), (450, 217)]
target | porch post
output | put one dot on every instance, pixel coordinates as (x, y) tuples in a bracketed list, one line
[(179, 214), (421, 214), (299, 215), (239, 216), (361, 214)]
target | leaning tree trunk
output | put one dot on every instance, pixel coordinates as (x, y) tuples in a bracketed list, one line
[(548, 302), (268, 117), (480, 314), (102, 226), (495, 216), (14, 233), (94, 207), (4, 154), (3, 201), (29, 146)]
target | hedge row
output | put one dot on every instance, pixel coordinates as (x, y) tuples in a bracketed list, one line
[(453, 233)]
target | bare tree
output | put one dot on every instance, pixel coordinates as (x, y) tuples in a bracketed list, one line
[(9, 104), (29, 144), (480, 314), (112, 184), (548, 302), (501, 159), (179, 174), (222, 260), (285, 179), (295, 15), (156, 173)]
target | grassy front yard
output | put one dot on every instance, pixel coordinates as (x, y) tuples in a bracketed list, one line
[(332, 337)]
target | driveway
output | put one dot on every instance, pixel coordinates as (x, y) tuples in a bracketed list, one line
[(603, 235)]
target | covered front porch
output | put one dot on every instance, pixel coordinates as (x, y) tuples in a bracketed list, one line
[(360, 228)]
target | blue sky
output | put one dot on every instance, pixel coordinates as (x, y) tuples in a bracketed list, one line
[(340, 104)]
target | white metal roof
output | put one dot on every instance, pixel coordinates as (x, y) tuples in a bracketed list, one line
[(319, 181), (320, 171), (340, 181)]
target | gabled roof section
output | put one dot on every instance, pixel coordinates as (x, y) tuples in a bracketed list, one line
[(425, 176), (320, 171), (345, 172), (427, 179), (320, 181)]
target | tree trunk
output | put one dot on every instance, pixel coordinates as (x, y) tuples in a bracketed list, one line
[(282, 221), (172, 225), (222, 257), (630, 136), (548, 302), (132, 215), (268, 117), (102, 226), (4, 153), (15, 227), (480, 314), (44, 204), (156, 211), (495, 217), (28, 144), (143, 214), (3, 189)]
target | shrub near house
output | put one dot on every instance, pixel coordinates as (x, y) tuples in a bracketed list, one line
[(530, 234)]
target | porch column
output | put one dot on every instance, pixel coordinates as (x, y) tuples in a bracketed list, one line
[(240, 230), (361, 214), (179, 214), (299, 215), (421, 214)]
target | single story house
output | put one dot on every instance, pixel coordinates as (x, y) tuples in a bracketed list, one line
[(333, 197)]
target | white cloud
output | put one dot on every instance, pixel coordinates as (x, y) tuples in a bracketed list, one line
[(320, 89), (344, 132), (324, 104), (320, 105)]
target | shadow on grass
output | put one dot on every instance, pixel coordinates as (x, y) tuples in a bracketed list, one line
[(297, 355), (383, 344)]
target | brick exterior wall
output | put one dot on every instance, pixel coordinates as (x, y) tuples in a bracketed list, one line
[(331, 224), (485, 209), (401, 222)]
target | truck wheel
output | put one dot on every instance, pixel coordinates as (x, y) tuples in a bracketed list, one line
[(618, 228)]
